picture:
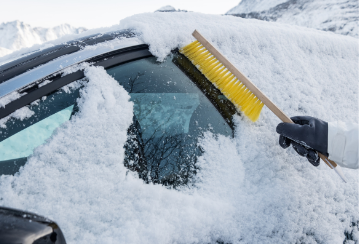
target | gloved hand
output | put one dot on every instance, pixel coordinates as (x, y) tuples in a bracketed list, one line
[(307, 136)]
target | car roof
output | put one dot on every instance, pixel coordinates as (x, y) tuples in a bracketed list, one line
[(22, 72)]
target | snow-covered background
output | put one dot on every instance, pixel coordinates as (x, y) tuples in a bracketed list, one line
[(338, 16), (248, 190), (17, 34)]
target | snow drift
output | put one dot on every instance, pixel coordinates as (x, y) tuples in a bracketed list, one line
[(248, 190)]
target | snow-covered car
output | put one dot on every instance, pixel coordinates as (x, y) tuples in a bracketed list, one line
[(234, 186), (174, 104)]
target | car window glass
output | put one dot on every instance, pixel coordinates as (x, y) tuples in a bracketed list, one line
[(170, 114), (19, 138), (24, 142)]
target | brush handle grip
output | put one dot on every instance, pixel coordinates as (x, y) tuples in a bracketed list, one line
[(258, 93), (327, 161)]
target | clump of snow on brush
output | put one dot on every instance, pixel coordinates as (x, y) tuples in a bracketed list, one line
[(248, 189)]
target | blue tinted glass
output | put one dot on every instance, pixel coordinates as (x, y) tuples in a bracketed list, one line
[(20, 137), (24, 142)]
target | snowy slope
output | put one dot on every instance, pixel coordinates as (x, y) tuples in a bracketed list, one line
[(339, 16), (248, 189), (16, 34)]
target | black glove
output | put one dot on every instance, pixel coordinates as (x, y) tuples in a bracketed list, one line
[(307, 136)]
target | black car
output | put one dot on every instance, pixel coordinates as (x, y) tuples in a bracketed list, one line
[(174, 104)]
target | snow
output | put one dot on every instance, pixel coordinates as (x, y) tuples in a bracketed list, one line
[(63, 39), (247, 6), (21, 114), (9, 98), (339, 16), (4, 51), (248, 189), (17, 34), (167, 8)]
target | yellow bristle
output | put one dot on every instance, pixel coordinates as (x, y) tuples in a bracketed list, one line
[(248, 102), (194, 50), (254, 114), (240, 93), (237, 92), (240, 100), (228, 77), (202, 57), (223, 79), (190, 46), (215, 72), (210, 59)]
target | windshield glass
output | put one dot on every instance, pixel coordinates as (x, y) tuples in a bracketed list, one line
[(170, 114)]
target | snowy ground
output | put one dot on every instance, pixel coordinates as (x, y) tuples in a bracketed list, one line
[(249, 190)]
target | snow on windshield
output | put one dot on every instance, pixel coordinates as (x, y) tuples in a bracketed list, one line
[(248, 189)]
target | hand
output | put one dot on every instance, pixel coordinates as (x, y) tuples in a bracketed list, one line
[(307, 135)]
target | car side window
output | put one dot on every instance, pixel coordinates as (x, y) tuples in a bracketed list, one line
[(170, 114), (18, 138)]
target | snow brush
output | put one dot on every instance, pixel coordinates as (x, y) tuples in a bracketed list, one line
[(235, 86)]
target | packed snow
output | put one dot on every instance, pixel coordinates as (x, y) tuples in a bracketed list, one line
[(17, 34), (248, 189), (338, 16)]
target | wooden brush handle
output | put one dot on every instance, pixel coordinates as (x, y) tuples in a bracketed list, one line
[(260, 95)]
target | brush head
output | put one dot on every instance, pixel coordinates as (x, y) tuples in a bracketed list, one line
[(245, 101)]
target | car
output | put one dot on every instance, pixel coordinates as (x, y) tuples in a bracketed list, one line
[(174, 105)]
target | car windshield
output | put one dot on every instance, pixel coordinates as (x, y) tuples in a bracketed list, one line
[(174, 104), (170, 114)]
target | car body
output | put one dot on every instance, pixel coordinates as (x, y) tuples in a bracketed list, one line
[(174, 104)]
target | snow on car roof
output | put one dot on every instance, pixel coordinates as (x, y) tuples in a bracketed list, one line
[(248, 189)]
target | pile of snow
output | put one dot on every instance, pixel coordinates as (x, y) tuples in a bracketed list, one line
[(248, 189), (16, 35), (339, 16)]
